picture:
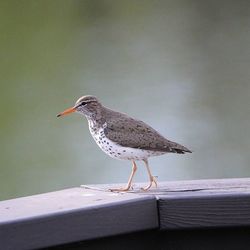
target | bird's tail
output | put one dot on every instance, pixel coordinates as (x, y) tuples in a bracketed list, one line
[(179, 149)]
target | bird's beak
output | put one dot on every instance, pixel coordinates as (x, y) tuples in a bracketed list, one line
[(67, 111)]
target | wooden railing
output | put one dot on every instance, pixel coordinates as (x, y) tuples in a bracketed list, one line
[(78, 215)]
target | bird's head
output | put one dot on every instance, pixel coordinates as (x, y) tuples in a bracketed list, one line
[(87, 105)]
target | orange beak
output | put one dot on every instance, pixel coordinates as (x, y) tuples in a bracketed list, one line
[(67, 111)]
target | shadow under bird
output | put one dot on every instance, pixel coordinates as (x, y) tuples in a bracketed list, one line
[(123, 137)]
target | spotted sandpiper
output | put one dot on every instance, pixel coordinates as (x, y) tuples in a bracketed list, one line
[(123, 137)]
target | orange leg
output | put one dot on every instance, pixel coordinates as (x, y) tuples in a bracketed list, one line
[(128, 186), (152, 179)]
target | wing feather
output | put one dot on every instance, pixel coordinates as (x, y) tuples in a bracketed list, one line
[(129, 132)]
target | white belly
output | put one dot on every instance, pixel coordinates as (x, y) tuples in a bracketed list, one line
[(119, 152)]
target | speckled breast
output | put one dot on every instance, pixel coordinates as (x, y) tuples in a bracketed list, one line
[(117, 151)]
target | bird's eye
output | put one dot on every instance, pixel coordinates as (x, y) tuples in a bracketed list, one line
[(80, 104)]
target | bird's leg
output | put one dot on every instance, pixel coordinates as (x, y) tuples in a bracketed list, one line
[(152, 179), (128, 186)]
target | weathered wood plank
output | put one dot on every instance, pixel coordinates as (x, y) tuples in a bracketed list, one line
[(183, 188), (204, 204), (79, 214), (199, 211), (72, 215), (201, 203)]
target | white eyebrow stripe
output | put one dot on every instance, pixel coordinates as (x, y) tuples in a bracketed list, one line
[(87, 101)]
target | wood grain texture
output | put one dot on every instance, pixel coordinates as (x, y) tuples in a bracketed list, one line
[(72, 215), (185, 188), (201, 203), (228, 210), (204, 204), (81, 214)]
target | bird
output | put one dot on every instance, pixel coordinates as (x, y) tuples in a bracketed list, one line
[(123, 137)]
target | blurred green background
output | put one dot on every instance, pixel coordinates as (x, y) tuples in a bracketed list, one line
[(181, 66)]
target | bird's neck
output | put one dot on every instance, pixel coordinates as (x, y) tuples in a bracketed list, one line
[(96, 120)]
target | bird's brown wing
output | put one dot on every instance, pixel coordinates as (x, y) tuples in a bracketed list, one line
[(129, 132)]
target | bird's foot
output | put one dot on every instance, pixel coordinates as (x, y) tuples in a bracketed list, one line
[(125, 189), (153, 180)]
